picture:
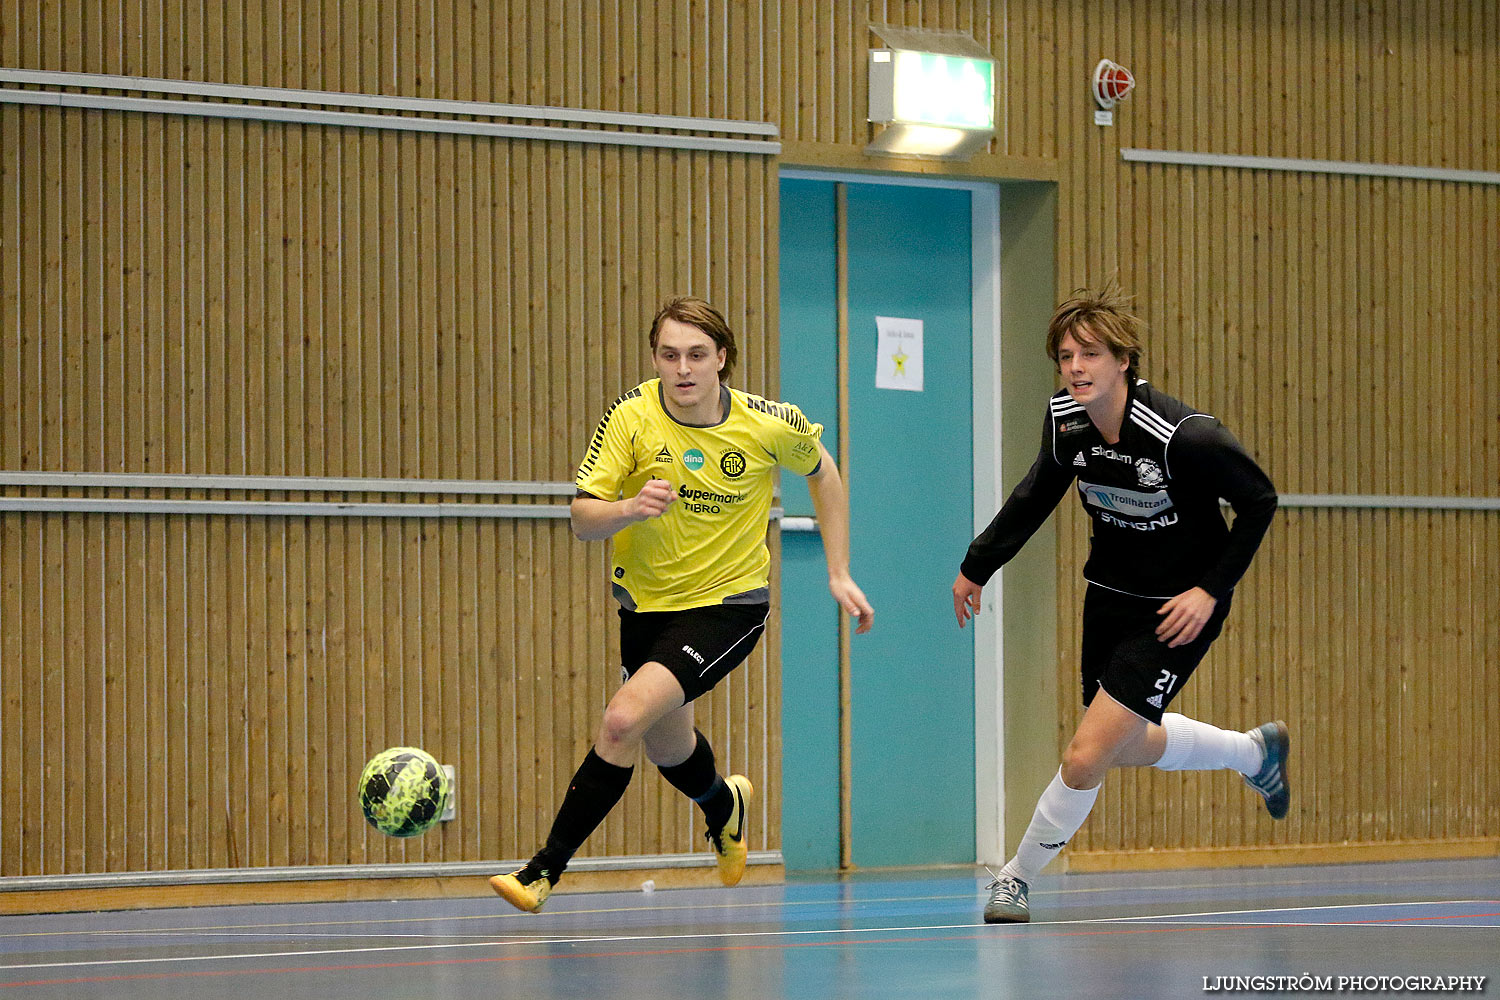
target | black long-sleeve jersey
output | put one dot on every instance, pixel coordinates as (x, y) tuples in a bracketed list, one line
[(1153, 498)]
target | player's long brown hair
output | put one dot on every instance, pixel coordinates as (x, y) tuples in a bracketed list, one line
[(696, 312), (1099, 316)]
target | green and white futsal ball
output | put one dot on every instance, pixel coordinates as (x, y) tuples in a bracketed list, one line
[(403, 791)]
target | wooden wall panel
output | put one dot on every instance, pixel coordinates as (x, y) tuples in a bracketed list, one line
[(1335, 324), (187, 295), (1393, 708), (204, 296)]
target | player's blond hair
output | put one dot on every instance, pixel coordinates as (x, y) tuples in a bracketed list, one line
[(696, 312), (1099, 316)]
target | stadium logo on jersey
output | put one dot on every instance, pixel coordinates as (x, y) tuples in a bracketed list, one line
[(693, 459), (1079, 460), (1099, 451), (665, 455), (732, 464), (1125, 501), (1150, 473)]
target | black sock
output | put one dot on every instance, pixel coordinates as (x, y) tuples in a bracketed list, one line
[(593, 792), (698, 778)]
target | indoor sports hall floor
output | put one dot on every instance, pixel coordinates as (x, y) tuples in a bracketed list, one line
[(907, 935)]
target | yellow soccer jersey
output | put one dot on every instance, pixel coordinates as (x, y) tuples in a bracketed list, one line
[(710, 545)]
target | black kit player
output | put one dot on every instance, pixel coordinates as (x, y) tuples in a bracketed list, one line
[(1161, 572), (679, 473)]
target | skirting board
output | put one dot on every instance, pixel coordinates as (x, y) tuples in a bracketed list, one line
[(341, 890), (1289, 854)]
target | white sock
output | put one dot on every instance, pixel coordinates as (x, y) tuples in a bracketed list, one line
[(1059, 813), (1197, 746)]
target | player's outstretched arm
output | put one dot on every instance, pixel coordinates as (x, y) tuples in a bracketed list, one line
[(832, 507), (594, 519)]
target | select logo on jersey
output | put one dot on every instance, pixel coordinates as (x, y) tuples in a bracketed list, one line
[(693, 459), (1149, 473), (1125, 501), (665, 455), (689, 650), (732, 464)]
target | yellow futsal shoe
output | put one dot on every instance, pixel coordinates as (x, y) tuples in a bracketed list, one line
[(526, 889), (728, 841)]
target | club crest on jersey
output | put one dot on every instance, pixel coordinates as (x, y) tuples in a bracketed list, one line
[(1149, 473), (732, 464)]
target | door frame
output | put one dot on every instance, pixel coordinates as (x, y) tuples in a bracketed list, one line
[(989, 653)]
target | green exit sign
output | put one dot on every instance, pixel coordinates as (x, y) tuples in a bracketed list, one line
[(932, 88)]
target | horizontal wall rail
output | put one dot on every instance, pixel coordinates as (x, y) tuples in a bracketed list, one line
[(312, 484), (293, 508), (1366, 501), (333, 98), (1354, 501), (457, 126), (1400, 170), (278, 508), (283, 508)]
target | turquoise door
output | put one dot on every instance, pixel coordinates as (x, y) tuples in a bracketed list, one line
[(911, 488)]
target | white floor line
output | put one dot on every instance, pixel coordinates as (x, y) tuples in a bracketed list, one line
[(1432, 925), (740, 904), (383, 949), (737, 905), (731, 935)]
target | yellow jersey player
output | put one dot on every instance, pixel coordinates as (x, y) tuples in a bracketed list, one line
[(679, 474)]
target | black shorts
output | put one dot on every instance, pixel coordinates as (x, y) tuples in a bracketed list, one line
[(1122, 654), (699, 646)]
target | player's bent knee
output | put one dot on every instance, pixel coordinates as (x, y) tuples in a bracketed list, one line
[(622, 724), (1084, 765)]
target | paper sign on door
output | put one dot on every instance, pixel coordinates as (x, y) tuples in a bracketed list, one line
[(899, 364)]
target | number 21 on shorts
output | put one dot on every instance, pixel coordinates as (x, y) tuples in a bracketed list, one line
[(1167, 681)]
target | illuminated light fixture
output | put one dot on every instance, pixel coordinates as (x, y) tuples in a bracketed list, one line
[(934, 91)]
